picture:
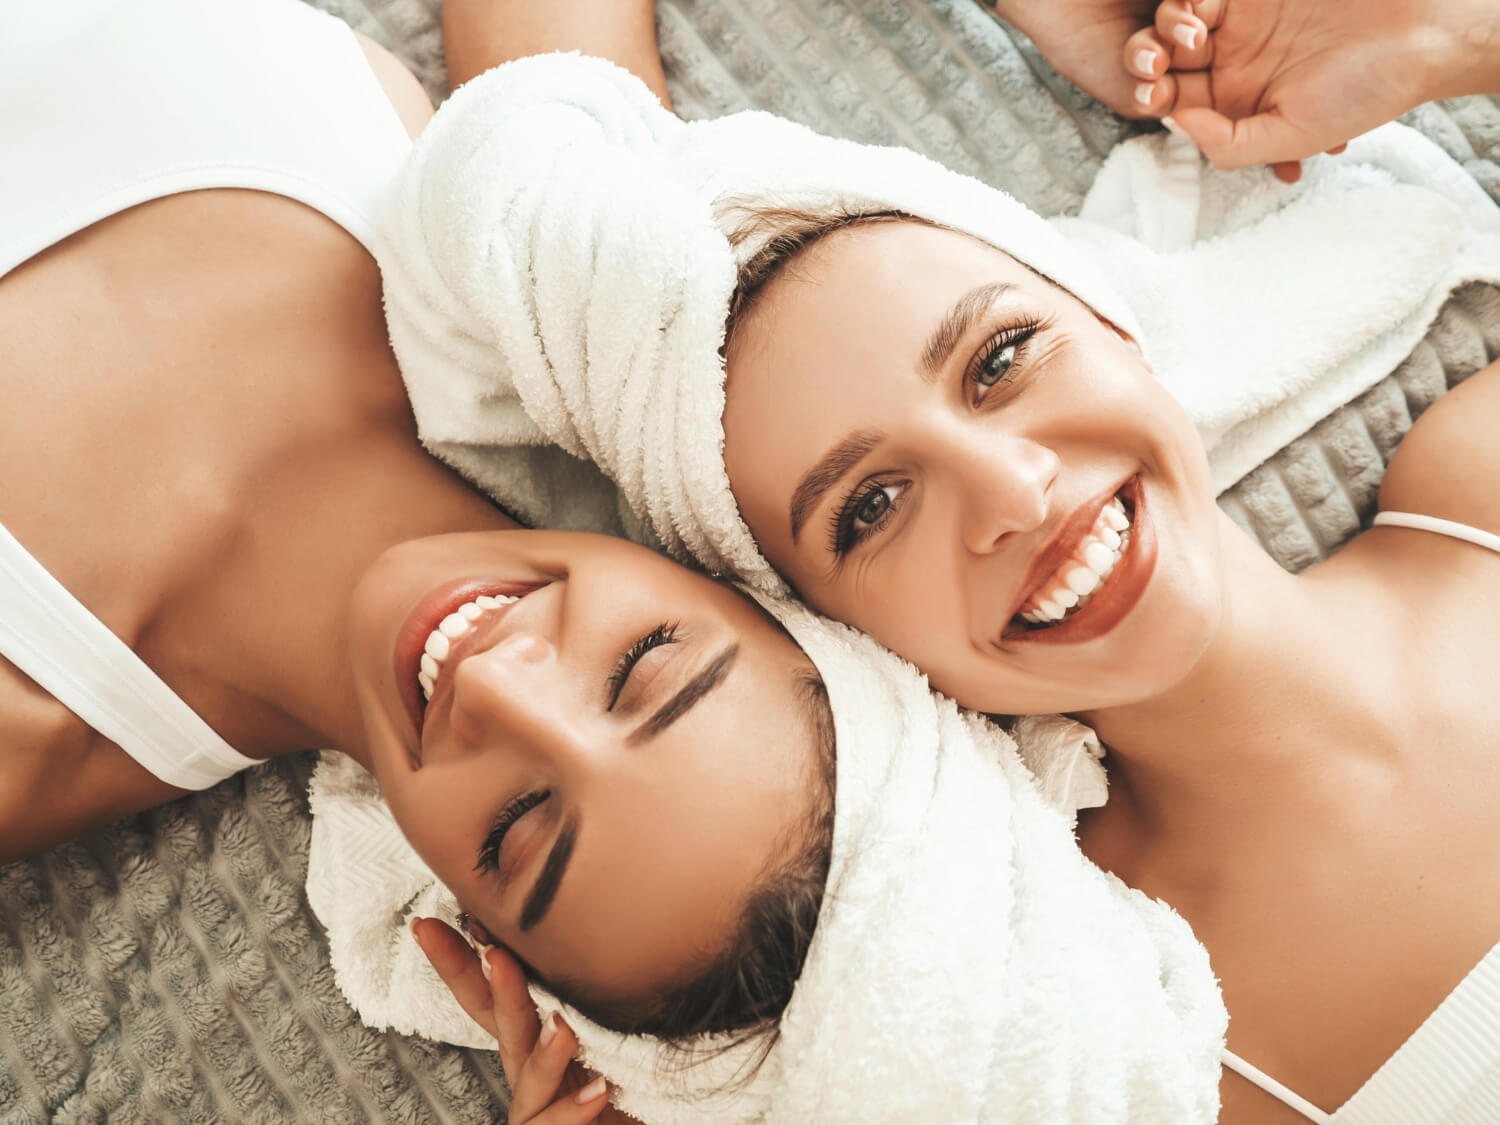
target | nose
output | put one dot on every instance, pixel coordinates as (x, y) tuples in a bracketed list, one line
[(1004, 486), (514, 696)]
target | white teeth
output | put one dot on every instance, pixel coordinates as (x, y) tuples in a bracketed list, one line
[(1081, 580), (455, 625), (1101, 559), (1099, 553)]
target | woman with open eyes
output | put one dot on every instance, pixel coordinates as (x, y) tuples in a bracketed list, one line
[(983, 474), (928, 439)]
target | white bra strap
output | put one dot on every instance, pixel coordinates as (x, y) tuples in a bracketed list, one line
[(1439, 527), (1274, 1088), (51, 636)]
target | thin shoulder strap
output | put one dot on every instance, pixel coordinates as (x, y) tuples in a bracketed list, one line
[(1439, 527), (1274, 1088), (51, 636)]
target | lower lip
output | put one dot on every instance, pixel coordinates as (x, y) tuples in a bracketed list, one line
[(411, 640), (1120, 591)]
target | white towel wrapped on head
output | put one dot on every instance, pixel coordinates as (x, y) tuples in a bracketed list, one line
[(969, 964), (558, 273)]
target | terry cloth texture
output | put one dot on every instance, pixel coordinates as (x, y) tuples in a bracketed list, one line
[(169, 969), (969, 963)]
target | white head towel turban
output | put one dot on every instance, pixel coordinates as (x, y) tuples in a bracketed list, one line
[(558, 277), (968, 965)]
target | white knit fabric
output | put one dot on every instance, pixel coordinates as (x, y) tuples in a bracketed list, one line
[(969, 964)]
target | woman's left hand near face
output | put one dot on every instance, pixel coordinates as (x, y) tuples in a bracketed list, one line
[(547, 1086)]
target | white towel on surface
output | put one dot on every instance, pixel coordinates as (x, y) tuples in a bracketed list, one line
[(969, 964)]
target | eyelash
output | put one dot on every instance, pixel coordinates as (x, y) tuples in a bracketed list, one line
[(489, 851), (842, 535), (663, 634), (1011, 336)]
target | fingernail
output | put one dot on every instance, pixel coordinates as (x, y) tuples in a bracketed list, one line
[(548, 1032), (1143, 92), (1172, 126), (412, 926), (484, 960), (591, 1091), (1187, 36), (1145, 61)]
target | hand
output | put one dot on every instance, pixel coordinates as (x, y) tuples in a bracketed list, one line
[(1082, 39), (547, 1086), (1276, 81)]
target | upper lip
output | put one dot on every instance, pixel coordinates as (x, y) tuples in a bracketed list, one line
[(425, 618), (1064, 542)]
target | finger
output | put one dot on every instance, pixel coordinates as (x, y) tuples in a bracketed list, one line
[(1153, 99), (1146, 56), (539, 1095), (1287, 171), (455, 962), (1211, 12), (1179, 25), (1266, 138), (1336, 149), (517, 1025)]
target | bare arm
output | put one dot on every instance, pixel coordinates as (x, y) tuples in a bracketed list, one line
[(479, 34)]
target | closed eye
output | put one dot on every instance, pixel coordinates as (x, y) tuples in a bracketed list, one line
[(663, 634), (514, 810)]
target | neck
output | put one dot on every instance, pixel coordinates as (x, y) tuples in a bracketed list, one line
[(1287, 698), (317, 514)]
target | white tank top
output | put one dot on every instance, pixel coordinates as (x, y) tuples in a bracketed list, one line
[(106, 104), (1448, 1071)]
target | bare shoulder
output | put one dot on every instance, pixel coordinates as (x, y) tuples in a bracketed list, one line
[(1449, 463), (58, 777), (400, 85)]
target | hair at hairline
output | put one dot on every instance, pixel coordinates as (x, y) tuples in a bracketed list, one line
[(740, 991)]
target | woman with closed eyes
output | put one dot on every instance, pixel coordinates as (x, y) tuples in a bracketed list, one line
[(966, 456), (222, 540)]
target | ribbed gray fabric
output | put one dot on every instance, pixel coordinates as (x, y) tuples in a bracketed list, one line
[(168, 968)]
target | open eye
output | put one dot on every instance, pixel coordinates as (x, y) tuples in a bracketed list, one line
[(873, 505), (863, 513), (998, 359), (996, 366)]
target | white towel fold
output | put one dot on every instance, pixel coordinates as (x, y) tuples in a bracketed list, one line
[(969, 964)]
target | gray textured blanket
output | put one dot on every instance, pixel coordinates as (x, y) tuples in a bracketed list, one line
[(168, 968)]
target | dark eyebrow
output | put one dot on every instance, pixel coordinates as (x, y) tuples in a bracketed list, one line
[(826, 473), (956, 324), (688, 696), (544, 890)]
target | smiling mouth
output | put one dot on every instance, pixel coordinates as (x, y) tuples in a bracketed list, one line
[(443, 628), (1071, 587), (449, 631)]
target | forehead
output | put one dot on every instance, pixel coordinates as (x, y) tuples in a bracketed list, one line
[(662, 870)]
